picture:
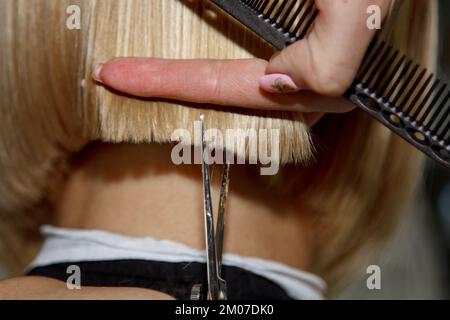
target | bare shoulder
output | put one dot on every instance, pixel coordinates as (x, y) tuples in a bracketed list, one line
[(41, 288)]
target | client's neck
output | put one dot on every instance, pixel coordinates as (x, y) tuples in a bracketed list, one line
[(136, 190)]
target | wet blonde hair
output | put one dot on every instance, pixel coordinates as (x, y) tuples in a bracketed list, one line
[(361, 177)]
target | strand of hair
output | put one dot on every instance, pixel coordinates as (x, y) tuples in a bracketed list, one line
[(294, 16), (390, 78), (286, 16), (446, 130), (382, 78), (401, 75), (268, 13), (370, 61), (405, 68), (434, 117), (421, 115), (279, 12), (308, 24), (374, 69), (302, 19), (425, 108), (411, 90), (405, 84), (419, 93), (446, 116)]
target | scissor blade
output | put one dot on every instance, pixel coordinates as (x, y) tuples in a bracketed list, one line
[(211, 257), (221, 215)]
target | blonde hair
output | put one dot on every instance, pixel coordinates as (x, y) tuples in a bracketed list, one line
[(359, 182)]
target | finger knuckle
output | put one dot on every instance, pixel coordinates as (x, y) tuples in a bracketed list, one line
[(331, 82)]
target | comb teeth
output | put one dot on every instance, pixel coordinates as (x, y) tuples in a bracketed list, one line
[(406, 98), (292, 17), (279, 22), (417, 100)]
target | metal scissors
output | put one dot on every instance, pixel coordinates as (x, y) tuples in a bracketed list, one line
[(217, 287)]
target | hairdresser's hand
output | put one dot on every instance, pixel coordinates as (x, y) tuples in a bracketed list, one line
[(309, 76)]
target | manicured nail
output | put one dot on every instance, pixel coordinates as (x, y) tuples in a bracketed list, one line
[(97, 70), (278, 83)]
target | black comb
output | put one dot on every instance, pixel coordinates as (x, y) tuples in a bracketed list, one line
[(393, 89)]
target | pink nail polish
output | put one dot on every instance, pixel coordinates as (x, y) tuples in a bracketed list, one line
[(97, 69), (278, 83)]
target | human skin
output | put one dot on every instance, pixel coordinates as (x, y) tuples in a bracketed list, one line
[(41, 288), (136, 190), (322, 66), (133, 190)]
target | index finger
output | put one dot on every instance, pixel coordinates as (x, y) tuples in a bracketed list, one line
[(220, 82)]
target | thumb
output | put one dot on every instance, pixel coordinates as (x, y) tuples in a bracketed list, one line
[(327, 60)]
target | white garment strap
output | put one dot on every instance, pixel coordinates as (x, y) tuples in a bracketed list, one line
[(76, 245)]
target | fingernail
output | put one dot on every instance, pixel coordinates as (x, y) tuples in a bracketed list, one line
[(278, 83), (97, 70)]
